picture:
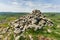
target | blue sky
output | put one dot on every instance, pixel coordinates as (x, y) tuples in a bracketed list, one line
[(29, 5)]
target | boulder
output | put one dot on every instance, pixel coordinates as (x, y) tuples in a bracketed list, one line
[(1, 37)]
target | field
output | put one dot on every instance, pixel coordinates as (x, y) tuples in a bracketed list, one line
[(6, 18)]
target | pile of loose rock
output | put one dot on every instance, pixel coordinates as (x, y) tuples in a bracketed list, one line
[(34, 20)]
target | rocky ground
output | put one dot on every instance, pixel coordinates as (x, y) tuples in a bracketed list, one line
[(35, 20)]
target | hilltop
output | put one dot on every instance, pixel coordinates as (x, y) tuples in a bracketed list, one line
[(33, 26)]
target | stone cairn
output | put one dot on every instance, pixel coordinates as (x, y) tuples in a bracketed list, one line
[(34, 20)]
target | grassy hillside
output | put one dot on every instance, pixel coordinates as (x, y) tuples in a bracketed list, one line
[(5, 18)]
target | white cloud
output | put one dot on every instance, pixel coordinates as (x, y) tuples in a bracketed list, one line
[(8, 8), (19, 7), (30, 4), (14, 3), (44, 7), (13, 8)]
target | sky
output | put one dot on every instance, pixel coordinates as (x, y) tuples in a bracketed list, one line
[(29, 5)]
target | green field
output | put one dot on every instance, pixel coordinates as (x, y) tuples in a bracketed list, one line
[(6, 18)]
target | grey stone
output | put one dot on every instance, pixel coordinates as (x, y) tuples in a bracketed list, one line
[(17, 30), (17, 38), (1, 37)]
